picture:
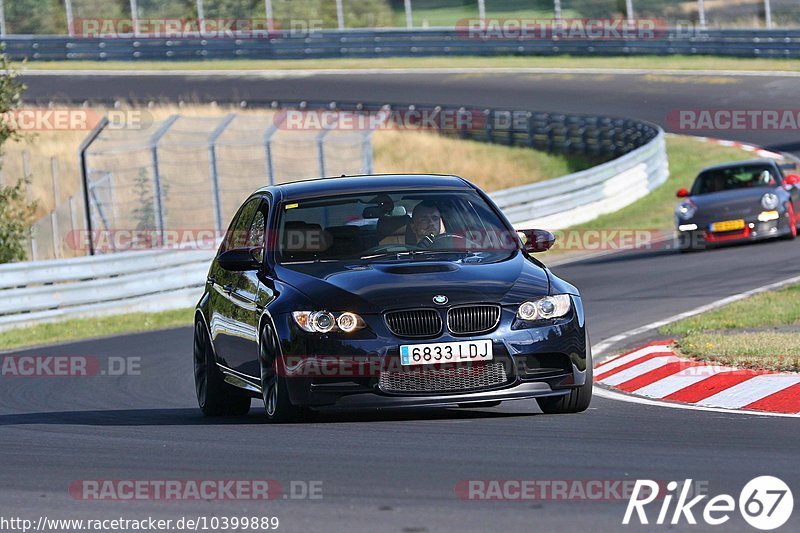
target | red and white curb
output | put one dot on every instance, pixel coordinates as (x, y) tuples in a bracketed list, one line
[(654, 371)]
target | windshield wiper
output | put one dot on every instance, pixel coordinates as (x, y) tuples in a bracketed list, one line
[(384, 254)]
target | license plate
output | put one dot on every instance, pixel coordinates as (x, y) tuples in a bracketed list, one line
[(445, 352), (728, 225)]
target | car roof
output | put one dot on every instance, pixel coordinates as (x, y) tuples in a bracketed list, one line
[(734, 164), (368, 184)]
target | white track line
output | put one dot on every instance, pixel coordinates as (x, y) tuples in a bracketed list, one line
[(290, 73), (605, 344)]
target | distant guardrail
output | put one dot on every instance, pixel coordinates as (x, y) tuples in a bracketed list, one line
[(46, 291), (635, 162), (399, 42)]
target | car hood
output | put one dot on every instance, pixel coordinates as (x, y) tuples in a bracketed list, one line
[(733, 201), (378, 287)]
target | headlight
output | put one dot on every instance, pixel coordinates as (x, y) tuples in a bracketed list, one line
[(769, 201), (686, 210), (325, 321), (544, 308)]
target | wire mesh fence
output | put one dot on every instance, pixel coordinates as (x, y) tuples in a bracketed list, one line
[(57, 18), (192, 173)]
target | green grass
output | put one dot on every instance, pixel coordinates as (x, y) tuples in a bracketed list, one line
[(765, 309), (638, 62), (86, 328), (746, 333), (450, 12), (687, 156)]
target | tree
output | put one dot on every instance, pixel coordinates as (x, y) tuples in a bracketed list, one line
[(16, 213)]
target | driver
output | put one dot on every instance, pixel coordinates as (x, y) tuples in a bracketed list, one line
[(426, 222)]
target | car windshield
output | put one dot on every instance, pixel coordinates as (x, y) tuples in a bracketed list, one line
[(739, 177), (453, 225)]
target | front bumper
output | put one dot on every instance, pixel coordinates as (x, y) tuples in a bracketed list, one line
[(754, 230), (547, 360)]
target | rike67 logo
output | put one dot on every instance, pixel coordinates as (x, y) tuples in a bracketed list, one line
[(766, 503)]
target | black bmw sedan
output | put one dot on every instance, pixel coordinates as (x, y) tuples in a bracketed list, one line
[(385, 291)]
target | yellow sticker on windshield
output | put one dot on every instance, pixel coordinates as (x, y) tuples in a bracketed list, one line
[(290, 206)]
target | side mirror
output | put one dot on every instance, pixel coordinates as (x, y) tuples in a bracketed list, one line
[(536, 240), (683, 193), (240, 259), (791, 179)]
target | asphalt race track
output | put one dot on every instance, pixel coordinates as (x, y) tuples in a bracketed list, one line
[(398, 470)]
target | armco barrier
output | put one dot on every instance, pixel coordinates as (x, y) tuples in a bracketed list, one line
[(399, 42), (635, 163), (45, 291)]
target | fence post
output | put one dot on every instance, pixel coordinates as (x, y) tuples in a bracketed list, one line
[(87, 208), (557, 9), (54, 174), (268, 12), (409, 16), (2, 19), (366, 152), (212, 162), (701, 13), (201, 17), (321, 152), (73, 221), (135, 17), (273, 128), (26, 167), (629, 10), (482, 11), (157, 189), (339, 14), (70, 18), (768, 13), (54, 229)]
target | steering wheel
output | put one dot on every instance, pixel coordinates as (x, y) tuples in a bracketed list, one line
[(430, 240)]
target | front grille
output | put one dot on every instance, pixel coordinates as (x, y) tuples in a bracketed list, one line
[(473, 319), (450, 379), (414, 323)]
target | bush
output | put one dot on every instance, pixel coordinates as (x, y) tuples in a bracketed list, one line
[(16, 212)]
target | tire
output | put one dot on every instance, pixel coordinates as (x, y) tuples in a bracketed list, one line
[(480, 405), (274, 391), (576, 401), (214, 396), (792, 224)]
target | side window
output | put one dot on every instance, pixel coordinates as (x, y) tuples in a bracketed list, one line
[(257, 234), (237, 234)]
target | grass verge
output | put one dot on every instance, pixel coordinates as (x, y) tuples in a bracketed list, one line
[(564, 61), (761, 332), (88, 328), (687, 157)]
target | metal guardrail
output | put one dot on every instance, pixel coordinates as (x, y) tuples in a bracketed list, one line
[(585, 195), (633, 152), (399, 42), (44, 291)]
